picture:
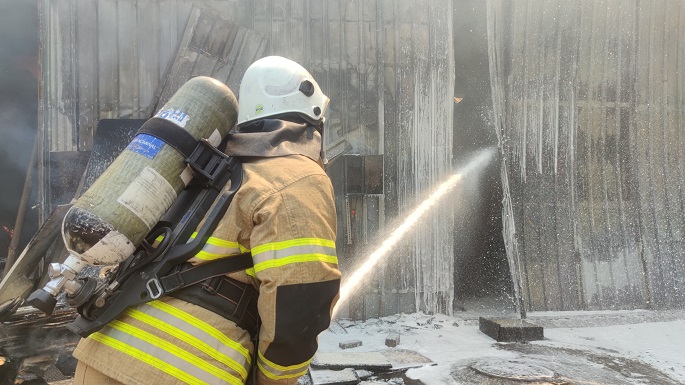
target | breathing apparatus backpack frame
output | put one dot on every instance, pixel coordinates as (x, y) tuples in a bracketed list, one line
[(158, 267)]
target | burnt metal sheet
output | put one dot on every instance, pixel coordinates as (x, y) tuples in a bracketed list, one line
[(66, 170), (588, 103), (214, 46), (99, 60), (111, 138), (387, 66), (26, 272)]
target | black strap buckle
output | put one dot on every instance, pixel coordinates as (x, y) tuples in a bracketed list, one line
[(212, 285), (207, 162)]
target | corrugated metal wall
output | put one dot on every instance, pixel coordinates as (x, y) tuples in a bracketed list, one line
[(387, 66), (588, 99)]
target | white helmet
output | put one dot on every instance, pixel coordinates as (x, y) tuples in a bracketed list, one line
[(275, 85)]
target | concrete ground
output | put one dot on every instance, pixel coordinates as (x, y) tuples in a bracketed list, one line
[(648, 347), (465, 356)]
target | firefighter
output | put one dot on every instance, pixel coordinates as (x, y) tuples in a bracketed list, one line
[(261, 323)]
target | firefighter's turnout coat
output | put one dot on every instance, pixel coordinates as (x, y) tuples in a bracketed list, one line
[(284, 215)]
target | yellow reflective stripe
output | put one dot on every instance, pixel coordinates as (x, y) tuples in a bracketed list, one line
[(216, 248), (294, 250), (277, 377), (291, 243), (189, 339), (281, 367), (295, 259), (220, 250), (175, 350), (276, 254), (251, 272), (278, 372), (207, 256), (198, 323), (146, 358), (222, 243)]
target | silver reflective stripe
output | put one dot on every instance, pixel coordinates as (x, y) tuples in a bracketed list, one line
[(190, 365), (270, 370), (199, 338), (290, 251), (220, 250)]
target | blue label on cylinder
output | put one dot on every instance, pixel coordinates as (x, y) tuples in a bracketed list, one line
[(146, 145)]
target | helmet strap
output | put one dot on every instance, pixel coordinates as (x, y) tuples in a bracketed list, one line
[(320, 128)]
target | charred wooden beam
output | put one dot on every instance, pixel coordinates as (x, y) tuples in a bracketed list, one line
[(34, 346)]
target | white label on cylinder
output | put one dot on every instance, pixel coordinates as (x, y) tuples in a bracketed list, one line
[(111, 249), (215, 138), (175, 116), (186, 175), (149, 196)]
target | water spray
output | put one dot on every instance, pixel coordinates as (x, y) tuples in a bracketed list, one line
[(352, 283)]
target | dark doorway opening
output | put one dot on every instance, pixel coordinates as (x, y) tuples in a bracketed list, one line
[(19, 74), (483, 282)]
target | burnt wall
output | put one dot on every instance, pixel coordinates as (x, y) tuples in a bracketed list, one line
[(588, 100)]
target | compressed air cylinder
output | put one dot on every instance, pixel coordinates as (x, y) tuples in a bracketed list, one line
[(111, 219)]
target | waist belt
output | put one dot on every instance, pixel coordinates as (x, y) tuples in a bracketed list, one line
[(227, 297)]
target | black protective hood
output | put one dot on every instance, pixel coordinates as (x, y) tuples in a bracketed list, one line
[(278, 136)]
